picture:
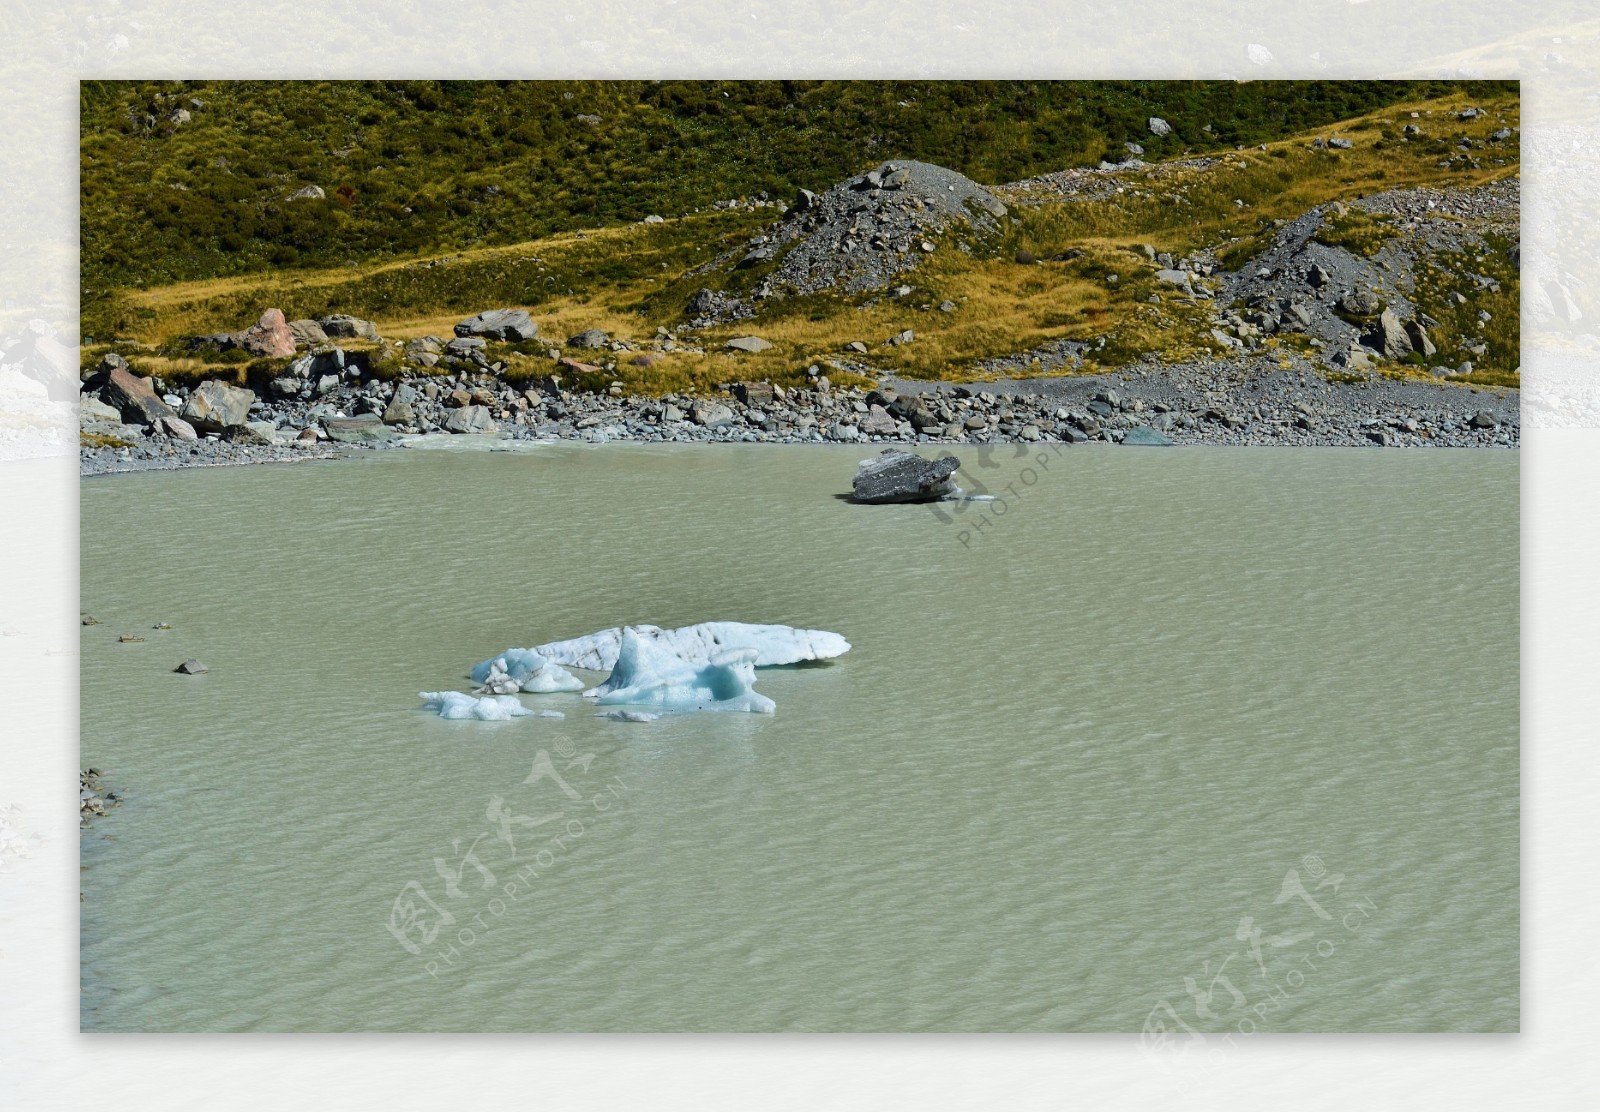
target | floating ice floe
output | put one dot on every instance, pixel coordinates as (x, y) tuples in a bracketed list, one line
[(523, 670), (773, 645), (651, 674), (459, 705)]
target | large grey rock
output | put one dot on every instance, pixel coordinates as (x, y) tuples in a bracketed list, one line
[(366, 429), (500, 324), (1174, 278), (589, 338), (342, 324), (176, 428), (713, 415), (898, 476), (471, 419), (1420, 342), (309, 193), (1390, 337), (307, 332), (91, 408), (753, 394), (134, 397), (878, 422), (399, 413), (750, 344), (216, 405), (1158, 126)]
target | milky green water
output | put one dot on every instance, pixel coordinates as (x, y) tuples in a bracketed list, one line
[(1071, 752)]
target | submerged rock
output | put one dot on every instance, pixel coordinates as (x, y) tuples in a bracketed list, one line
[(630, 716), (191, 667), (1143, 434), (898, 476)]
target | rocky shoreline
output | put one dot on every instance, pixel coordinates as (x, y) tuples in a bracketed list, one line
[(1241, 400)]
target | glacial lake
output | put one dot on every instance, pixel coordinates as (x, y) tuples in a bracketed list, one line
[(1175, 741)]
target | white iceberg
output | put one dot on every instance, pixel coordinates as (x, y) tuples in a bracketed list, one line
[(459, 705), (773, 645), (650, 673), (523, 670)]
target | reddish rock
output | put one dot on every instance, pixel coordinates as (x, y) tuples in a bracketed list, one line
[(579, 368), (270, 336), (135, 396), (646, 360), (458, 398)]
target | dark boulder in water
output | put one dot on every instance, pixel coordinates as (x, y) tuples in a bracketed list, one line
[(897, 476)]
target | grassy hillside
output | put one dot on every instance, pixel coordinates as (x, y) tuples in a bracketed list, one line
[(630, 279), (427, 166)]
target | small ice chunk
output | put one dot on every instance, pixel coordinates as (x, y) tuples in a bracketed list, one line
[(651, 674), (523, 670), (630, 716), (459, 705), (773, 644), (551, 714)]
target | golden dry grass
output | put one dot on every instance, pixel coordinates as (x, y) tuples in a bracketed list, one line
[(627, 280)]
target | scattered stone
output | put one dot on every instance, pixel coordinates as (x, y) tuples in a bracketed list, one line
[(1158, 126), (309, 193), (129, 638), (748, 344)]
